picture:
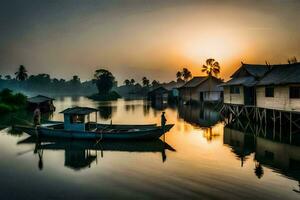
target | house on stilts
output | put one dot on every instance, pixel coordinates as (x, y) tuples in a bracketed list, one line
[(240, 89), (266, 94)]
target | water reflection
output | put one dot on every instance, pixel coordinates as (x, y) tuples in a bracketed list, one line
[(281, 157), (207, 162), (201, 116), (107, 110), (81, 154)]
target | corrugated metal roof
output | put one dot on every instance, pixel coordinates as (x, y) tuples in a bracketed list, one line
[(282, 74), (39, 99), (79, 111)]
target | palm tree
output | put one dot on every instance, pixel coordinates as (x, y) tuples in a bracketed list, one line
[(186, 74), (212, 67), (178, 75), (21, 74), (146, 82)]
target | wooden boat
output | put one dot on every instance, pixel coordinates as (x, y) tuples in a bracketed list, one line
[(75, 127), (109, 126)]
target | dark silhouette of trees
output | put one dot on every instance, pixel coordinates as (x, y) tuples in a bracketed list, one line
[(179, 75), (75, 82), (186, 74), (292, 60), (127, 82), (211, 68), (104, 80), (132, 81), (21, 74), (145, 82), (8, 77), (155, 83)]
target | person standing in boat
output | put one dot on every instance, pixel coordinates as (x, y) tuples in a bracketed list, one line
[(37, 116), (163, 121)]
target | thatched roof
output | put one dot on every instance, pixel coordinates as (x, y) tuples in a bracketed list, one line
[(281, 75), (39, 99), (79, 111)]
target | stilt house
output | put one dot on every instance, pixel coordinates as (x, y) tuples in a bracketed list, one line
[(240, 89)]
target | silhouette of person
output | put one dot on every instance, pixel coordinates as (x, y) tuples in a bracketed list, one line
[(37, 116)]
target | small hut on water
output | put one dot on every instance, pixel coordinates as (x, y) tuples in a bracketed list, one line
[(45, 104), (202, 89), (159, 94)]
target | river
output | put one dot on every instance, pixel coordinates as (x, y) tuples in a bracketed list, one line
[(199, 158)]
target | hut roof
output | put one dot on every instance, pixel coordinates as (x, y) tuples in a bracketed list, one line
[(253, 69), (159, 89), (39, 99), (194, 82), (282, 74), (79, 111), (197, 80), (247, 81)]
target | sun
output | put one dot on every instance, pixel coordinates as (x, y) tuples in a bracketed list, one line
[(220, 46)]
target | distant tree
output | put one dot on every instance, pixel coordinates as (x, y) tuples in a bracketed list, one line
[(145, 81), (104, 80), (75, 81), (179, 75), (8, 77), (21, 74), (155, 83), (292, 60), (127, 82), (0, 77), (186, 74), (132, 81), (212, 67)]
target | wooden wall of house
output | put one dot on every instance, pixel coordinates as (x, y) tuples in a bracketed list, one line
[(280, 101), (234, 98), (209, 85), (212, 96)]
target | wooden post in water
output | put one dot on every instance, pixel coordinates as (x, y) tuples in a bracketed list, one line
[(280, 124), (274, 123), (291, 131)]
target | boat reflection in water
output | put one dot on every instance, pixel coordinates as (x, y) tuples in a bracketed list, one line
[(281, 157), (81, 154)]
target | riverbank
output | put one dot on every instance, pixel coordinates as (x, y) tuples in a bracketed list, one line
[(10, 102)]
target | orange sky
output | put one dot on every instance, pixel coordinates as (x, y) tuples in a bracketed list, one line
[(146, 38)]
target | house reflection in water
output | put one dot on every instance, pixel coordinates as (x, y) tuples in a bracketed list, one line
[(204, 117), (81, 154), (281, 157)]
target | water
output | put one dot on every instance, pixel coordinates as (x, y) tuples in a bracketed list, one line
[(195, 162)]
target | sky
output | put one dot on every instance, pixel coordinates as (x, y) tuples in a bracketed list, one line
[(152, 38)]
